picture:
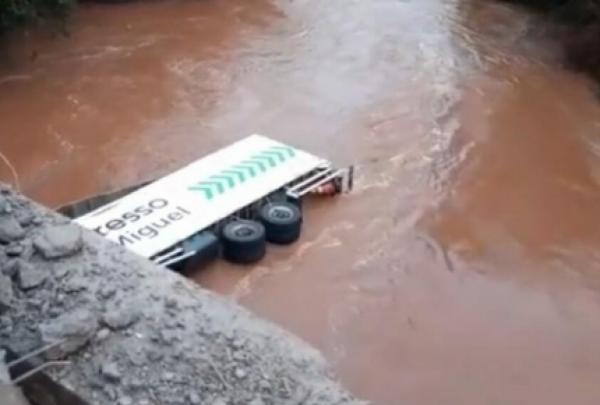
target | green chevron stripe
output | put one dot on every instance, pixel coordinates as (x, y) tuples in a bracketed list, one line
[(208, 192), (237, 174), (249, 169), (224, 179), (276, 154), (256, 163), (212, 185), (265, 158), (291, 152), (240, 174)]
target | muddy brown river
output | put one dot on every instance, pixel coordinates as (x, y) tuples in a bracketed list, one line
[(465, 267)]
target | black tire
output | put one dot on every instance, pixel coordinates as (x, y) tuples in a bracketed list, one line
[(282, 221), (281, 196), (244, 241)]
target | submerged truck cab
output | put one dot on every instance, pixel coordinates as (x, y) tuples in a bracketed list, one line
[(228, 203)]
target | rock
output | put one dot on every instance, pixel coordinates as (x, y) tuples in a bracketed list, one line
[(54, 312), (10, 229), (6, 325), (194, 398), (5, 205), (110, 371), (265, 385), (136, 384), (10, 268), (125, 401), (29, 276), (6, 293), (106, 292), (240, 373), (76, 328), (35, 303), (154, 355), (171, 303), (37, 221), (219, 401), (169, 336), (102, 334), (121, 316), (136, 355), (62, 272), (14, 250), (110, 392), (59, 241), (75, 285), (25, 217), (257, 401)]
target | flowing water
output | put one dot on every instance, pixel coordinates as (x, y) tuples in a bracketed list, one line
[(464, 269)]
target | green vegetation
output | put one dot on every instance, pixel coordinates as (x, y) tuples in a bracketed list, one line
[(16, 12)]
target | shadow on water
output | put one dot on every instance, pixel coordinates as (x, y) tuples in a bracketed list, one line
[(578, 30)]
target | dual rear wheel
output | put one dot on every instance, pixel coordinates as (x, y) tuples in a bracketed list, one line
[(245, 241)]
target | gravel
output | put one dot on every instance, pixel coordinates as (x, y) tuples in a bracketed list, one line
[(110, 371), (121, 315)]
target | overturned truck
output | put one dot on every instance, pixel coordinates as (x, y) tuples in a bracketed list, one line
[(230, 203)]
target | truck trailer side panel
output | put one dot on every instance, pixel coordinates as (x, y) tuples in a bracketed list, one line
[(179, 205)]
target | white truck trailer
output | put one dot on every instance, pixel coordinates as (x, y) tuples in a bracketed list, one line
[(228, 203)]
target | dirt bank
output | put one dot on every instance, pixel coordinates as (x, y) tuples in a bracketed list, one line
[(137, 334), (581, 39)]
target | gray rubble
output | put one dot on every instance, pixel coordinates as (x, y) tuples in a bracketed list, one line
[(10, 229), (138, 334), (58, 241), (75, 328), (29, 276), (6, 293)]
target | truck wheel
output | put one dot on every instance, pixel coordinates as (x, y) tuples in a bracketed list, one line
[(282, 221), (244, 241)]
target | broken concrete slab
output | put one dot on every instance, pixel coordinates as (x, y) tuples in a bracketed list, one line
[(10, 229), (59, 241), (180, 345)]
